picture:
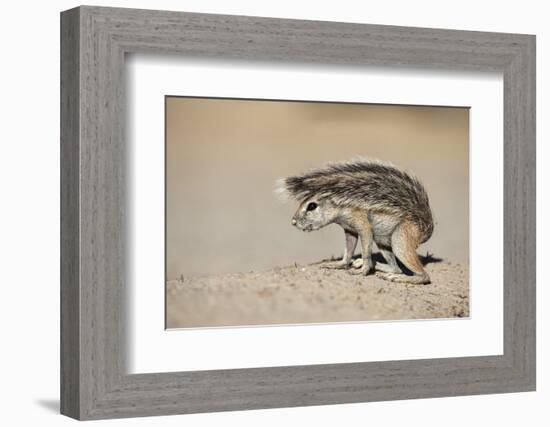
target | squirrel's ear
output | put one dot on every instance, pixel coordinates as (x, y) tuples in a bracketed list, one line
[(281, 191)]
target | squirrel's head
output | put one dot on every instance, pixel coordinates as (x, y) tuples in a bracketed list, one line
[(313, 214)]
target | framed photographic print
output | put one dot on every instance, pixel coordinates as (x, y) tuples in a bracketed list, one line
[(262, 213)]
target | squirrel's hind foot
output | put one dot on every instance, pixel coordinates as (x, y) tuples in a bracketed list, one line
[(336, 265), (417, 279), (363, 271)]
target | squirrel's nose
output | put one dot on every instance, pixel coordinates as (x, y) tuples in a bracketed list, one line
[(293, 221)]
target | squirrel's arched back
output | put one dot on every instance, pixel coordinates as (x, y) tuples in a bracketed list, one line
[(365, 184)]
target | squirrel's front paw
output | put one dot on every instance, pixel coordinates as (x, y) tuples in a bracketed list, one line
[(357, 263)]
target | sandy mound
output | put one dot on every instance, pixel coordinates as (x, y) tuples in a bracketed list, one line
[(310, 294)]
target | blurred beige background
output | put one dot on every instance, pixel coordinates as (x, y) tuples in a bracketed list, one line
[(223, 157)]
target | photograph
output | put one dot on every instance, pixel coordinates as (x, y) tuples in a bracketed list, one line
[(288, 212)]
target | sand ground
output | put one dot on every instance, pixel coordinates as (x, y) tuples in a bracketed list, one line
[(311, 294)]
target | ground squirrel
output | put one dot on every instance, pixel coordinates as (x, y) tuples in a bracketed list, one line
[(370, 200)]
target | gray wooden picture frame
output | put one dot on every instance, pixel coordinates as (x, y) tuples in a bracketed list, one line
[(94, 381)]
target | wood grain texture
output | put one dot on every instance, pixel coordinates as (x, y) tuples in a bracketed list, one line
[(94, 267), (70, 221)]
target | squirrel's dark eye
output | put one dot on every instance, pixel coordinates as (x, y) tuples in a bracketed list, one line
[(311, 206)]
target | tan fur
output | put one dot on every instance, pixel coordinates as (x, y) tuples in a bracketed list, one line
[(360, 221), (405, 240)]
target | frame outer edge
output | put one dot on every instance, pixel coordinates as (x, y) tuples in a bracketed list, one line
[(520, 215), (89, 350), (532, 138), (527, 78), (70, 396)]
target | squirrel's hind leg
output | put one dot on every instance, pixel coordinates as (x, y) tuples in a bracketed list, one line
[(405, 240)]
